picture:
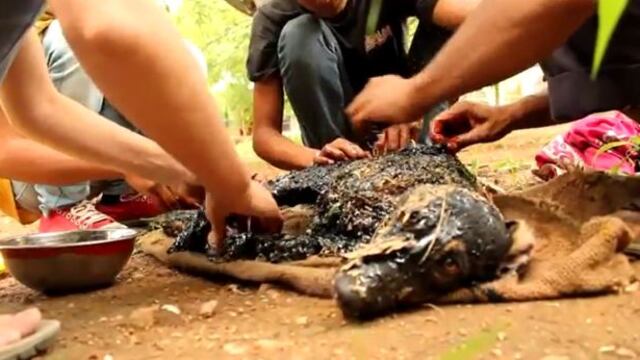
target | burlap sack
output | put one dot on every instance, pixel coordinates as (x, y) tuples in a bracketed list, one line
[(574, 224)]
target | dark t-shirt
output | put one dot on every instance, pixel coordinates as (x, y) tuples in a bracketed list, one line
[(15, 19), (571, 91), (364, 56)]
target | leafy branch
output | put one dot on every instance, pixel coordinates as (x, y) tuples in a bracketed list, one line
[(609, 14)]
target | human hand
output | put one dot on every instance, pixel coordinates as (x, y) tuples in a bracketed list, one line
[(397, 137), (467, 123), (339, 150), (388, 99), (171, 198), (256, 204)]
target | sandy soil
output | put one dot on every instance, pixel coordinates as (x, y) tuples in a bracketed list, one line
[(270, 323)]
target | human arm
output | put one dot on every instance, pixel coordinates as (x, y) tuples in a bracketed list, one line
[(275, 148), (268, 141), (155, 84), (450, 14), (38, 110), (499, 39), (467, 123), (29, 161), (158, 86), (26, 160)]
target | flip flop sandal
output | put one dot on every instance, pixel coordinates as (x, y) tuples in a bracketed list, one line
[(30, 346), (633, 249)]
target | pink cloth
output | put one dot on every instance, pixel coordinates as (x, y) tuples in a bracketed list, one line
[(578, 147)]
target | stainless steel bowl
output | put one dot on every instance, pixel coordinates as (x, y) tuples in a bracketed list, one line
[(70, 261)]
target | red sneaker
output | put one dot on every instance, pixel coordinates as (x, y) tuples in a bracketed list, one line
[(82, 216), (132, 207)]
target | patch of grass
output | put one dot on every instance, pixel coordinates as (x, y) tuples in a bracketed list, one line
[(473, 166), (475, 345), (509, 166)]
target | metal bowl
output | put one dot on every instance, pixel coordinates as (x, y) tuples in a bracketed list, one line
[(72, 261)]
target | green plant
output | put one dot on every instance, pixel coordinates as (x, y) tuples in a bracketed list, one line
[(633, 141), (609, 14), (473, 166)]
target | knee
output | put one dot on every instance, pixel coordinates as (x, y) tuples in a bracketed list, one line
[(298, 42)]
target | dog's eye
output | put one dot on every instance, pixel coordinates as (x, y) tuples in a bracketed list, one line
[(450, 265)]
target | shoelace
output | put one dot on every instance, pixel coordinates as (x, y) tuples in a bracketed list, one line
[(134, 197), (85, 215)]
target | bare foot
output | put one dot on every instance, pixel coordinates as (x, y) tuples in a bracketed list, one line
[(14, 327)]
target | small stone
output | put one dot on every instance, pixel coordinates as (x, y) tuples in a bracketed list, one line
[(103, 319), (107, 357), (517, 356), (137, 276), (209, 308), (632, 288), (269, 344), (144, 317), (431, 319), (610, 330), (135, 340), (496, 352), (626, 353), (171, 308), (313, 330), (501, 336), (234, 349), (607, 349), (463, 332), (589, 321), (234, 288), (302, 320), (265, 287)]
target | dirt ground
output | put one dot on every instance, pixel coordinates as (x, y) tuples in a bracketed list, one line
[(270, 323)]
